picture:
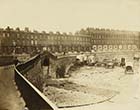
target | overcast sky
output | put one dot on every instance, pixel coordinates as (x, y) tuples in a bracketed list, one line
[(70, 15)]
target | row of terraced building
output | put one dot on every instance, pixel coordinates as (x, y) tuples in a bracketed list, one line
[(86, 40)]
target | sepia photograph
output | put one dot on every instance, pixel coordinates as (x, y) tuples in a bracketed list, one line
[(69, 54)]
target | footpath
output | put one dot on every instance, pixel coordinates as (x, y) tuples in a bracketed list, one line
[(10, 98)]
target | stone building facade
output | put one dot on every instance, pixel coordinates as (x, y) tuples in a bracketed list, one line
[(19, 41), (113, 40), (26, 41)]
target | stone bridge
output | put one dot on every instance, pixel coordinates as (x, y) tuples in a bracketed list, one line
[(21, 85)]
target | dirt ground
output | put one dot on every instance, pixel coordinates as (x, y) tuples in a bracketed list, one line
[(127, 87), (90, 86)]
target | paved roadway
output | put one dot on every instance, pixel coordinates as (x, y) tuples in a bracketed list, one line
[(9, 95)]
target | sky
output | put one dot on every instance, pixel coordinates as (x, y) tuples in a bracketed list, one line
[(70, 15)]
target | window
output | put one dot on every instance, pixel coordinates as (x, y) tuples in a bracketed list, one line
[(14, 43), (8, 35), (18, 35), (35, 37), (3, 35), (32, 36), (48, 37), (35, 42), (27, 36), (45, 37), (32, 42), (23, 36), (40, 36), (18, 42)]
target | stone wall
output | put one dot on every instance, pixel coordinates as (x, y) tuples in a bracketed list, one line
[(66, 62), (36, 75)]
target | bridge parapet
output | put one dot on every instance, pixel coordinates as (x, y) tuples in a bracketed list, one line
[(35, 100), (29, 79), (27, 76)]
